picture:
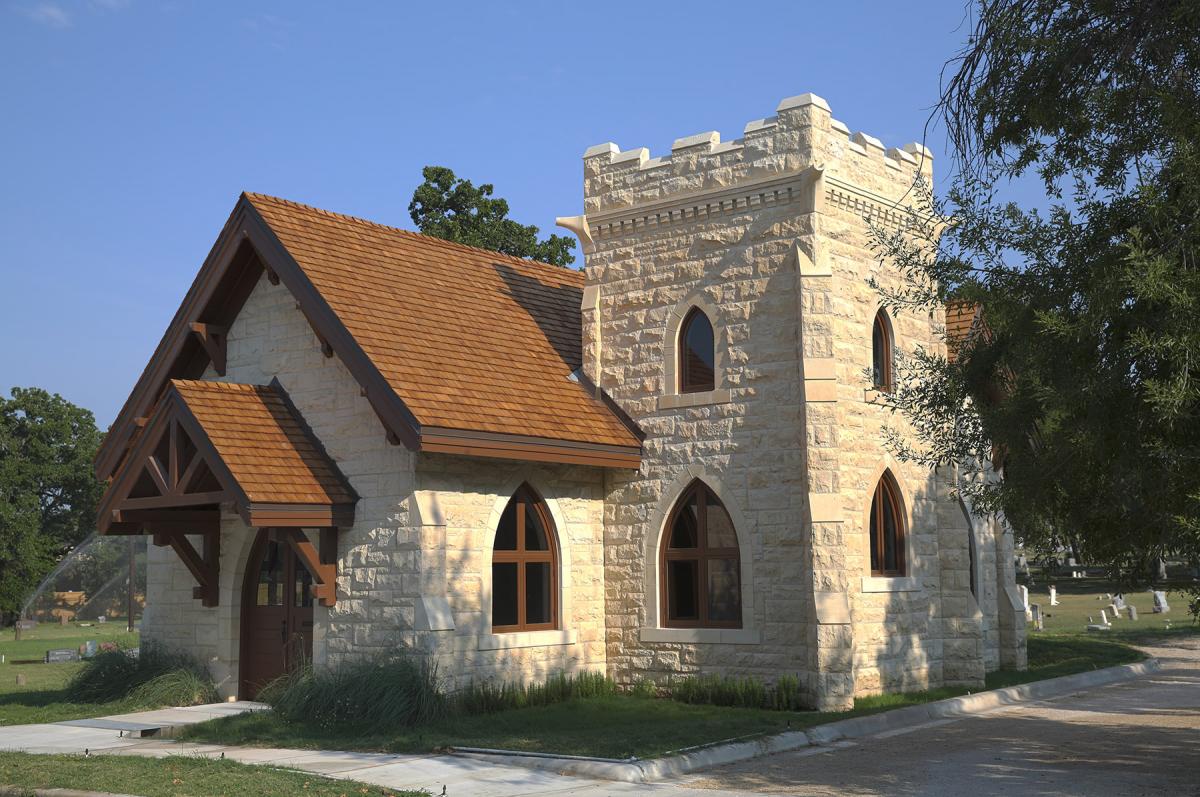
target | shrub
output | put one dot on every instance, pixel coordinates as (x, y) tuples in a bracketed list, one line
[(157, 676), (489, 696), (388, 691)]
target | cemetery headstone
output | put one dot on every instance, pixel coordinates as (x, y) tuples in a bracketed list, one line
[(89, 648), (1104, 618), (1160, 602), (102, 619), (21, 680), (1038, 622), (1025, 602), (1053, 595), (1132, 610), (60, 655), (1119, 600), (62, 619)]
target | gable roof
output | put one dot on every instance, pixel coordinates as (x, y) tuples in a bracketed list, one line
[(210, 442), (267, 448), (458, 350)]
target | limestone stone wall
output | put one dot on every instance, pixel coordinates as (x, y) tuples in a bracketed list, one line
[(768, 235), (378, 568), (461, 500), (421, 538)]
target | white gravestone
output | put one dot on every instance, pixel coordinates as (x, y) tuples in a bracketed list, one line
[(1053, 595), (1025, 602), (1160, 602), (1119, 600), (1132, 610), (1038, 621), (1104, 618)]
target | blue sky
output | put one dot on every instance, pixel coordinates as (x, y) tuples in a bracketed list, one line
[(128, 127)]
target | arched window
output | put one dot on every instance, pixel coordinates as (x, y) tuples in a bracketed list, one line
[(972, 561), (887, 529), (701, 564), (881, 353), (524, 567), (696, 354)]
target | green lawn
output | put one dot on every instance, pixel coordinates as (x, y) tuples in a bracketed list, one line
[(47, 636), (1080, 599), (622, 726), (176, 776)]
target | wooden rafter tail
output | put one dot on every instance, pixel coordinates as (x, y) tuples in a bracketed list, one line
[(212, 337)]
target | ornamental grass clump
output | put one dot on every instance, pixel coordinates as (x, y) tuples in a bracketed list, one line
[(744, 692), (489, 697), (153, 676), (381, 692)]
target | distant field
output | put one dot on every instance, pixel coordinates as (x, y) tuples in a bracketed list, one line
[(47, 636)]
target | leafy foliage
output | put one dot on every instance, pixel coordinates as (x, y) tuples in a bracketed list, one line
[(454, 209), (1085, 384), (48, 492)]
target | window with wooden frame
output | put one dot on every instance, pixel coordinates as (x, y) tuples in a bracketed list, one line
[(887, 529), (525, 567), (697, 356), (881, 353), (700, 564)]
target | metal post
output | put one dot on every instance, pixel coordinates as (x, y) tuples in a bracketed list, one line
[(129, 590)]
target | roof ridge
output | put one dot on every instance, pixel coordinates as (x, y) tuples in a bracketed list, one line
[(410, 233)]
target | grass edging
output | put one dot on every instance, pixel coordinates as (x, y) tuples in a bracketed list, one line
[(719, 754)]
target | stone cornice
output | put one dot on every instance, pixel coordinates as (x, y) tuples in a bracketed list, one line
[(698, 205)]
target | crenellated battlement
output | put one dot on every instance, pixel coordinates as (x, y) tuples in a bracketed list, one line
[(624, 187)]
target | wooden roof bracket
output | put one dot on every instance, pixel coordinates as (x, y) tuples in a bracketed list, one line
[(203, 565), (212, 337), (321, 564)]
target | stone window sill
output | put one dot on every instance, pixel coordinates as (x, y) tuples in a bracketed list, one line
[(704, 636), (526, 639), (672, 401), (890, 584)]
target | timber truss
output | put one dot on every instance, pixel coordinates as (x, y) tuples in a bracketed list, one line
[(174, 486)]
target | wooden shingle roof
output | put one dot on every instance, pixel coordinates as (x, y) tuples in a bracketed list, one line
[(468, 339), (962, 320), (458, 350), (266, 447)]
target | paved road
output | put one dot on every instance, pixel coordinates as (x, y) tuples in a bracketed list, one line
[(1137, 738)]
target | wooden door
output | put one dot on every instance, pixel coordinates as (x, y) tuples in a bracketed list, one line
[(277, 615)]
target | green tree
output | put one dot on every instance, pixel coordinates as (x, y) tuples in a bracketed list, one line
[(454, 209), (48, 491), (1085, 385)]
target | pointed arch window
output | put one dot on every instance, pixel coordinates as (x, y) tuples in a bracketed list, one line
[(887, 529), (700, 564), (525, 566), (697, 358), (882, 353), (972, 553)]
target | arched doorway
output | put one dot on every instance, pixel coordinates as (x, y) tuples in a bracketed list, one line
[(277, 614)]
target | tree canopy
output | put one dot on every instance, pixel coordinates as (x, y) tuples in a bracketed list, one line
[(1086, 385), (454, 209), (48, 492)]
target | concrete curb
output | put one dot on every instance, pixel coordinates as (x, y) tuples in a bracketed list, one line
[(656, 769)]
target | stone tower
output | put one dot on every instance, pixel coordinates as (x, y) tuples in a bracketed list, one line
[(768, 236)]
